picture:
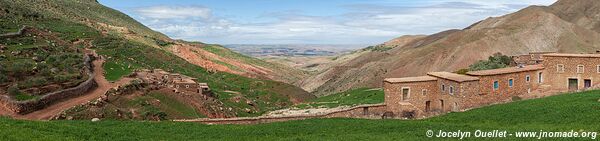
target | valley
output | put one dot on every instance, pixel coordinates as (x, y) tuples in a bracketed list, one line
[(81, 70)]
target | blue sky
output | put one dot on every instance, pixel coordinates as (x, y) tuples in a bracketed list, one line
[(310, 21)]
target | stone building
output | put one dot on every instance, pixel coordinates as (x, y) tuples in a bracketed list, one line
[(571, 72), (442, 92), (179, 83), (532, 58)]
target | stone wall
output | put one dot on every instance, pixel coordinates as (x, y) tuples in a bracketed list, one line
[(28, 106), (559, 80), (485, 94), (396, 104), (14, 34), (374, 111)]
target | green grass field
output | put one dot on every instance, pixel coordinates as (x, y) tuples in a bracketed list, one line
[(567, 112), (348, 98)]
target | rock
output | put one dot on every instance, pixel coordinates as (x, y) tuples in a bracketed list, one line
[(95, 119), (69, 117), (598, 100)]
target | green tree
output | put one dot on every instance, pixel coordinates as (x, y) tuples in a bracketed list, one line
[(494, 62)]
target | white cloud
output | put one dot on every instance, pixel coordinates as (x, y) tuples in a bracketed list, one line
[(364, 24), (174, 12)]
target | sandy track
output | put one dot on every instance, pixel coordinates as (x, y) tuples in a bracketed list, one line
[(56, 108)]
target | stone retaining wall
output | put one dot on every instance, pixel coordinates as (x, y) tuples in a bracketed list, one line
[(371, 111), (14, 34), (28, 106)]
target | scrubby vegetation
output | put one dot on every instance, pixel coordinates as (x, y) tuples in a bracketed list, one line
[(266, 93), (348, 98), (567, 112), (126, 44), (495, 61), (44, 56), (379, 48)]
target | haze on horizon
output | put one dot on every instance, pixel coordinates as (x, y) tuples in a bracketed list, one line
[(310, 21)]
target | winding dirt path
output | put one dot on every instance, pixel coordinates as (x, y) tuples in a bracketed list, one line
[(56, 108)]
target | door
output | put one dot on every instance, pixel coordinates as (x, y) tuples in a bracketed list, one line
[(427, 106), (455, 107), (442, 105), (587, 83), (573, 85)]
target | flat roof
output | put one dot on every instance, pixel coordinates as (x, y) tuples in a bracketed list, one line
[(572, 55), (453, 76), (410, 79), (506, 70)]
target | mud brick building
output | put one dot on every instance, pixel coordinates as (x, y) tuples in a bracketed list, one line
[(177, 82), (536, 74)]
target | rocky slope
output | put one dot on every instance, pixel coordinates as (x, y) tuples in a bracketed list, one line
[(566, 26)]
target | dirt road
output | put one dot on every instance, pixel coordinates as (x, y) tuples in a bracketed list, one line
[(56, 108)]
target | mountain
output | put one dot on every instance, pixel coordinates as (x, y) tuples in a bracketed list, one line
[(129, 45), (566, 26)]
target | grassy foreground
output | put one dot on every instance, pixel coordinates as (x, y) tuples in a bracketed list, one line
[(568, 112)]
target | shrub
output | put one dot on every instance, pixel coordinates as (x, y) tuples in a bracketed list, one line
[(494, 62), (462, 71), (3, 78), (13, 90)]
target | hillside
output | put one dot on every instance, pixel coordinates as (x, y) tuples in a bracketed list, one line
[(556, 113), (128, 45), (566, 26)]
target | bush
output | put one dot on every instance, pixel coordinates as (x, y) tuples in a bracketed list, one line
[(462, 71), (494, 62), (3, 78), (13, 90)]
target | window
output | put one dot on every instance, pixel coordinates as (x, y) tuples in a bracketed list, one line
[(560, 68), (540, 77), (424, 91), (496, 85), (510, 82), (451, 90), (527, 78), (443, 87), (176, 86), (580, 68), (187, 86), (405, 94)]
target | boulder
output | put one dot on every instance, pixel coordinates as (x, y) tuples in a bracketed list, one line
[(95, 119)]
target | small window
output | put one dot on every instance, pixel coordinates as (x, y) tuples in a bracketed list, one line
[(187, 86), (496, 85), (527, 78), (580, 68), (424, 91), (510, 82), (540, 78), (176, 86), (443, 87), (405, 94), (560, 68), (451, 90)]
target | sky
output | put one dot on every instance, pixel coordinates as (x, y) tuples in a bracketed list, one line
[(310, 21)]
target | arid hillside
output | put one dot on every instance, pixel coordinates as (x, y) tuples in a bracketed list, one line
[(566, 26)]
